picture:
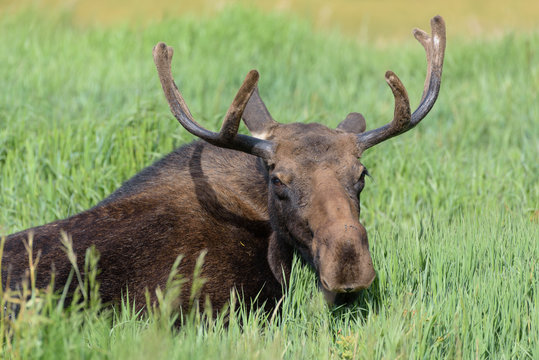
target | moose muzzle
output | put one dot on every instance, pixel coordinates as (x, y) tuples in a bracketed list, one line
[(344, 260), (340, 244)]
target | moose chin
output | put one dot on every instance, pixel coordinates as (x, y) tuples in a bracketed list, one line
[(248, 202)]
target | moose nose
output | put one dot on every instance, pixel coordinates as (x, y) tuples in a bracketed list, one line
[(349, 287), (325, 283)]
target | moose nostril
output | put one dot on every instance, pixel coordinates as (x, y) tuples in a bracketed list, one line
[(348, 289), (325, 283)]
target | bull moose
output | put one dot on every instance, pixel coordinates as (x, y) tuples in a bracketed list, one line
[(250, 202)]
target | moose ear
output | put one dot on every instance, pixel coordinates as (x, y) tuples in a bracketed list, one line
[(354, 123), (257, 117)]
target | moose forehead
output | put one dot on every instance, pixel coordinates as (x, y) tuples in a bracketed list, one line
[(308, 145)]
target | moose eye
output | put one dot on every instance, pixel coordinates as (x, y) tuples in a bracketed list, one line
[(281, 191), (276, 181)]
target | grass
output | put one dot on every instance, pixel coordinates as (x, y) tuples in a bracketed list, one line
[(368, 20), (452, 211)]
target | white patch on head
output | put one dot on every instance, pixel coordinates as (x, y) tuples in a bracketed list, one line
[(260, 135)]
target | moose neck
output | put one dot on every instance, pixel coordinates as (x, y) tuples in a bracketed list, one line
[(281, 250)]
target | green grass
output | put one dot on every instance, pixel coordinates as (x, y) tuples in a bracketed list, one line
[(452, 210)]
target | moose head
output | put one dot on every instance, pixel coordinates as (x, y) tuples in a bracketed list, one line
[(314, 177)]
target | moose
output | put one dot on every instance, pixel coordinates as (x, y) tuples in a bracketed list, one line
[(249, 202)]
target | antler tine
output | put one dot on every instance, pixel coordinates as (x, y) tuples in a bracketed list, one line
[(235, 111), (435, 50), (402, 119), (162, 56), (228, 136)]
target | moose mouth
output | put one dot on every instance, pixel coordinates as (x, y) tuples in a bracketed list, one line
[(344, 295), (340, 298)]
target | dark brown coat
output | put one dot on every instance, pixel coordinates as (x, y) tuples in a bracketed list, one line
[(249, 201), (191, 200)]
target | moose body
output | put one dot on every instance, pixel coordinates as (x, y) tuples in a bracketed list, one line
[(183, 204), (250, 202)]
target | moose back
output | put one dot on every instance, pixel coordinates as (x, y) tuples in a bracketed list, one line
[(250, 202)]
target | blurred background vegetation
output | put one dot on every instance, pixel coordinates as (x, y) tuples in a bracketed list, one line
[(362, 19), (452, 208)]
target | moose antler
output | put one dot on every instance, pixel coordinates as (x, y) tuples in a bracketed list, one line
[(228, 136), (402, 120)]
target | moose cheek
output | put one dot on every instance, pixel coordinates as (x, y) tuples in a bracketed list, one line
[(280, 190), (281, 194)]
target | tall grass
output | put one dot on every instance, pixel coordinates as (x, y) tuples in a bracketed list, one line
[(452, 210)]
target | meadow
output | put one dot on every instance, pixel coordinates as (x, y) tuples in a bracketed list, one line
[(452, 208)]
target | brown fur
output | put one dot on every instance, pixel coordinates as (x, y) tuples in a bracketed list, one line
[(168, 209), (201, 197), (298, 191)]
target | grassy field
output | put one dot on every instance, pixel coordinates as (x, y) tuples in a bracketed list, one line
[(452, 208), (373, 20)]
